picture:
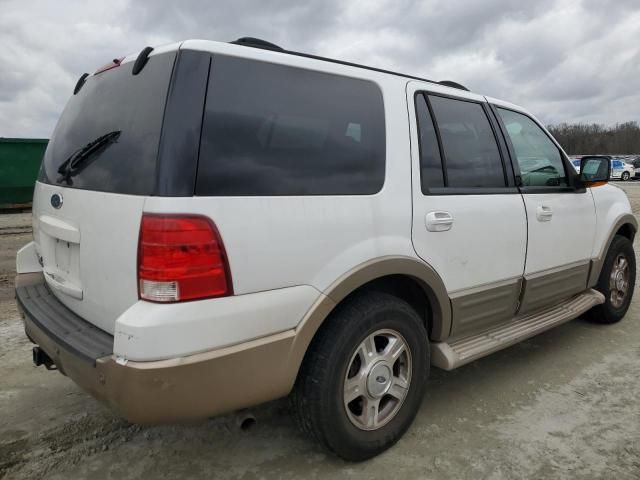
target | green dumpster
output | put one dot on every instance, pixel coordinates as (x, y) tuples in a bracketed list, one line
[(19, 164)]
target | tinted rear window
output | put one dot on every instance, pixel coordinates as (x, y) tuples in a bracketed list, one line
[(276, 130), (113, 101)]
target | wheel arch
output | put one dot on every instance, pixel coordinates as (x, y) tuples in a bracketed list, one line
[(408, 278), (626, 226)]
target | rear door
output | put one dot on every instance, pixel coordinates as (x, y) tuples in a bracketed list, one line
[(561, 216), (469, 220)]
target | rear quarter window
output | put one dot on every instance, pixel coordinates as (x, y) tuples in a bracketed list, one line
[(277, 130)]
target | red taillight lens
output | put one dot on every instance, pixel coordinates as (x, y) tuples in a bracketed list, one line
[(181, 257)]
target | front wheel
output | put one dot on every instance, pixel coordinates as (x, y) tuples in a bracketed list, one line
[(364, 376), (625, 176), (616, 282)]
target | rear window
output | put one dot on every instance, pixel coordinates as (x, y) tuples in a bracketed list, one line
[(276, 130), (128, 110)]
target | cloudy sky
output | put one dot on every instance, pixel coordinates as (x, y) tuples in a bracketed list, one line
[(565, 60)]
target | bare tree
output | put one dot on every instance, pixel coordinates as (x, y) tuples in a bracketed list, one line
[(582, 138)]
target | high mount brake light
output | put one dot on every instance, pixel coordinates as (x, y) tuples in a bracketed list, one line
[(113, 64), (181, 257)]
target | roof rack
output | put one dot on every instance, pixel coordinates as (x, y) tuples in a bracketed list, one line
[(259, 43), (452, 84)]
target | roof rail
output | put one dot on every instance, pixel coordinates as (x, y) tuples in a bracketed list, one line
[(451, 83), (259, 43)]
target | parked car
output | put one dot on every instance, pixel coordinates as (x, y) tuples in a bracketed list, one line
[(619, 169), (219, 225), (622, 170), (576, 164), (635, 162)]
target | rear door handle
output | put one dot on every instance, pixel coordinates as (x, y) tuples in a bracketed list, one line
[(439, 221), (544, 213)]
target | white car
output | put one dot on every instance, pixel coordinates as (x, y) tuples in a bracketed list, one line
[(622, 170), (219, 225), (576, 163)]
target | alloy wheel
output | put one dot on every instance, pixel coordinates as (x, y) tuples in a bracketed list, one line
[(377, 379), (619, 281)]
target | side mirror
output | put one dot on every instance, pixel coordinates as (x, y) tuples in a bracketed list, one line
[(594, 171)]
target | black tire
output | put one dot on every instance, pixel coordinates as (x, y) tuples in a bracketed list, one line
[(317, 399), (625, 176), (608, 312)]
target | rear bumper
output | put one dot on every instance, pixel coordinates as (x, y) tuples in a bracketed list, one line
[(175, 389)]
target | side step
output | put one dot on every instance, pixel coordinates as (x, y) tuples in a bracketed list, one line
[(460, 352)]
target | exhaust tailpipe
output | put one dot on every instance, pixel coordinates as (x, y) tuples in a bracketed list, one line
[(40, 357), (242, 420)]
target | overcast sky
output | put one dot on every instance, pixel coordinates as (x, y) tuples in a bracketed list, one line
[(565, 60)]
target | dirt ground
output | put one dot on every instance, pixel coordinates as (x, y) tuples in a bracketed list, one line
[(561, 405)]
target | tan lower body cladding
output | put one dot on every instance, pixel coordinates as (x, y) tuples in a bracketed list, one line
[(450, 355)]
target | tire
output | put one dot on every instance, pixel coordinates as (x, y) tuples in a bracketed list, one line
[(330, 366), (625, 176), (615, 307)]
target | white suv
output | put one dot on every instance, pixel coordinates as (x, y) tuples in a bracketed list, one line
[(218, 225)]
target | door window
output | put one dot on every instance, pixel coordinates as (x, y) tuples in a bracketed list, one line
[(470, 151), (431, 174), (538, 157)]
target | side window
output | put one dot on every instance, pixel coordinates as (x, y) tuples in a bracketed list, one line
[(277, 130), (539, 159), (470, 151), (430, 162)]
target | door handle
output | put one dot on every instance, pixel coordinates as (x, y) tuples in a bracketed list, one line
[(439, 221), (544, 213)]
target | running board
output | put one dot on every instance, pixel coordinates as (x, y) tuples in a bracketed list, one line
[(460, 352)]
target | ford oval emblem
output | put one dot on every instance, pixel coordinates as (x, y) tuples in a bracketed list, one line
[(56, 200)]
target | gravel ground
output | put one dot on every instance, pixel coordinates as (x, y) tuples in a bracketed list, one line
[(562, 405)]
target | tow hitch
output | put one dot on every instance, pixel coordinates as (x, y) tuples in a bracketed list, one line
[(40, 357)]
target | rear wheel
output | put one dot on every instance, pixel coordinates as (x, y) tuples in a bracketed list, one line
[(364, 376), (625, 176), (616, 282)]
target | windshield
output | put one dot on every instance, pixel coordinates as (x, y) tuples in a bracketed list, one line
[(112, 101)]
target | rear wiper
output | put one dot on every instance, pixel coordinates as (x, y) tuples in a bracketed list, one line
[(74, 164)]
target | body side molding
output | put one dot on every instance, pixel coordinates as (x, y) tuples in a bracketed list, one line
[(479, 308), (548, 287)]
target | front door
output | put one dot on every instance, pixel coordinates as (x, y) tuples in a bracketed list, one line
[(560, 215), (469, 221)]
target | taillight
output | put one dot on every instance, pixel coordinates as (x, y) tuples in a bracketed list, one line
[(181, 257)]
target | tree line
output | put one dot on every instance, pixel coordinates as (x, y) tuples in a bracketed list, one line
[(582, 138)]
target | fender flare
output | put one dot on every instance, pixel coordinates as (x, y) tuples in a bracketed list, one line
[(597, 263), (358, 276)]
